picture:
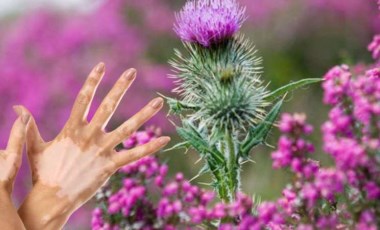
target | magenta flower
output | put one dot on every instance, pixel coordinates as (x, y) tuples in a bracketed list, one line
[(209, 21), (374, 47), (336, 84)]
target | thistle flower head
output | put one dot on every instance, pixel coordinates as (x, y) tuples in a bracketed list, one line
[(223, 81), (209, 21)]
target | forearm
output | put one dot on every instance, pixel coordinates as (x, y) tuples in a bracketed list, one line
[(43, 209), (9, 219)]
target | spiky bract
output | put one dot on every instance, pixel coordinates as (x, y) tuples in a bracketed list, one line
[(224, 82)]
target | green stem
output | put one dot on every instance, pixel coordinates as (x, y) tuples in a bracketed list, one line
[(220, 186), (227, 176), (232, 167)]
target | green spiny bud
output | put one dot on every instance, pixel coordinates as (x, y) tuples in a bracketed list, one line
[(224, 82)]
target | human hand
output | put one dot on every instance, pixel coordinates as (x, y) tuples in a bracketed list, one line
[(68, 170), (10, 158), (10, 161)]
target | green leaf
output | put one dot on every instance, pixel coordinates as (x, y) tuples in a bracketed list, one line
[(176, 106), (258, 134), (190, 134), (290, 87), (181, 145), (205, 169)]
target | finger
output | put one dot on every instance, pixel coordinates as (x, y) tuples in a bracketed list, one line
[(128, 156), (112, 100), (18, 132), (133, 124), (34, 140), (86, 94)]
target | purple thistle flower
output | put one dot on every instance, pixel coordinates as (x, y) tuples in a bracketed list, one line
[(209, 21)]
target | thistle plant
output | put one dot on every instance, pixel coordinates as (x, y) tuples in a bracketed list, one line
[(225, 108)]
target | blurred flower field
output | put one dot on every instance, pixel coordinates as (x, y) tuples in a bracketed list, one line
[(46, 54)]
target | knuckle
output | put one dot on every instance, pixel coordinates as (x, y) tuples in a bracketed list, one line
[(108, 108), (144, 150), (110, 168), (92, 81), (125, 131), (83, 98)]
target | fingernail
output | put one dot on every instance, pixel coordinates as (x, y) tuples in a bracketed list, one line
[(164, 140), (25, 118), (157, 103), (130, 74), (17, 110), (100, 67)]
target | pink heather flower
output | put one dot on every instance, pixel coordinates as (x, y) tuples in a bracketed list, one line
[(305, 227), (171, 189), (367, 221), (219, 211), (336, 84), (310, 168), (291, 123), (366, 96), (226, 227), (329, 182), (348, 154), (328, 222), (207, 197), (310, 193), (289, 194), (342, 122), (374, 47), (373, 190), (141, 137), (283, 156), (209, 21), (266, 211), (292, 149)]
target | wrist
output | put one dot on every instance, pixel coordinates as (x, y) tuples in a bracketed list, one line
[(43, 209)]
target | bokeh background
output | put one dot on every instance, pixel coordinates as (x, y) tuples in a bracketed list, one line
[(48, 47)]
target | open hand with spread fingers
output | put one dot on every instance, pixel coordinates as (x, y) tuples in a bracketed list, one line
[(68, 170)]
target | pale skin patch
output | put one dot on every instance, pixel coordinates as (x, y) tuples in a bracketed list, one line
[(74, 171), (8, 166), (81, 158)]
